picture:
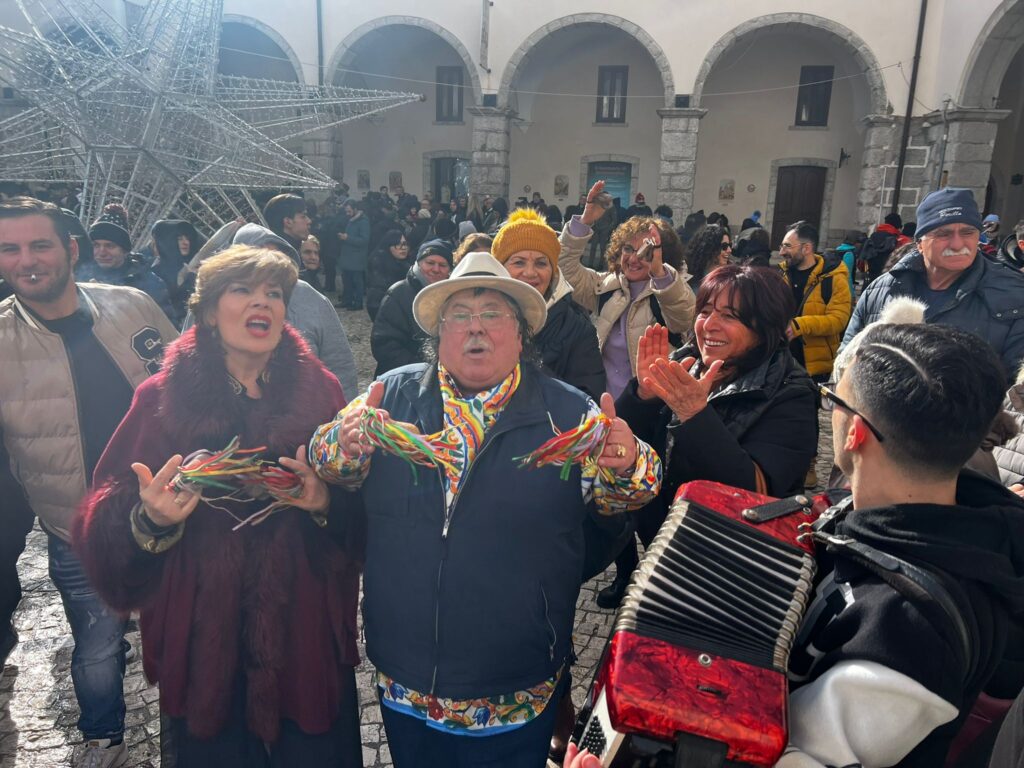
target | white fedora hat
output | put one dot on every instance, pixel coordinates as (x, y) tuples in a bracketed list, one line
[(478, 270)]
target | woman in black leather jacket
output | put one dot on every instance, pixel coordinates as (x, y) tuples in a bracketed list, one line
[(731, 406)]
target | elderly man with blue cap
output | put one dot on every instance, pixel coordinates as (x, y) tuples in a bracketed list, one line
[(473, 569), (959, 286)]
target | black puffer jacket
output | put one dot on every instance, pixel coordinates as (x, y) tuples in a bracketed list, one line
[(768, 417), (568, 343), (396, 338), (383, 271)]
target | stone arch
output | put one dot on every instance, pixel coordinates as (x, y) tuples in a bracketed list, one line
[(990, 57), (274, 35), (843, 37), (345, 52), (521, 53), (826, 202)]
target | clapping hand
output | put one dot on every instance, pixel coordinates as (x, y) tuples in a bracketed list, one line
[(653, 346), (673, 383)]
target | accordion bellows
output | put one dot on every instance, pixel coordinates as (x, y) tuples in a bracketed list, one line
[(701, 642)]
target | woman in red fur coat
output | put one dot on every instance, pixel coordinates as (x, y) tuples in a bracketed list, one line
[(251, 634)]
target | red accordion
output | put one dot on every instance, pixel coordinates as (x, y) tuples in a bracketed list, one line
[(698, 654)]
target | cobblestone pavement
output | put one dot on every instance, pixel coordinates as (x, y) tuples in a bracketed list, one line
[(38, 710)]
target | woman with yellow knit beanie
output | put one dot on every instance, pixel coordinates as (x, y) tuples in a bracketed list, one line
[(567, 343)]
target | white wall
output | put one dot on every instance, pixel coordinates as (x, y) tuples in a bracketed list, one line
[(742, 134), (563, 129), (397, 141)]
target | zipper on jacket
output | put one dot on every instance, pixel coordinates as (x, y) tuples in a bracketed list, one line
[(551, 627), (448, 513)]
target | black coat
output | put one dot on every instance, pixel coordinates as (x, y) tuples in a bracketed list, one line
[(383, 271), (396, 338), (568, 347), (768, 417)]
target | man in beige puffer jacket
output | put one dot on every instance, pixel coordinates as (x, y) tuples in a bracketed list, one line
[(73, 356)]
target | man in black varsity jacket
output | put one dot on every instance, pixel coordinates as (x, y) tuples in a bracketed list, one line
[(920, 574)]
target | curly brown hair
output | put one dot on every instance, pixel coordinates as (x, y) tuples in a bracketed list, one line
[(475, 241), (671, 246)]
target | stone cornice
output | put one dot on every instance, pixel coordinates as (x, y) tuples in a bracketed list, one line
[(969, 115), (682, 112), (478, 111)]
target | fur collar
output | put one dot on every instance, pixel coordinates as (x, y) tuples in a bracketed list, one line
[(199, 404)]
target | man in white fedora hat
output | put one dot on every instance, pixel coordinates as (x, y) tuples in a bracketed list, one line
[(472, 572)]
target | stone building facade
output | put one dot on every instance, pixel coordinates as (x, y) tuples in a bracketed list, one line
[(790, 108)]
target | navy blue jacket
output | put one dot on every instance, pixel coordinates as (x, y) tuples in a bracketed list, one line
[(987, 300), (134, 274), (481, 604)]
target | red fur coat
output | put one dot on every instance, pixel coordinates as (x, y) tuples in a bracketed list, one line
[(276, 602)]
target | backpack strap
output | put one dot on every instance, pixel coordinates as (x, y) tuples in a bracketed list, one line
[(675, 339)]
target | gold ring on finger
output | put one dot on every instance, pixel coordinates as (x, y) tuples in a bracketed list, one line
[(620, 451)]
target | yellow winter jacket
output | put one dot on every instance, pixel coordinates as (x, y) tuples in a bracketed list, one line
[(821, 325)]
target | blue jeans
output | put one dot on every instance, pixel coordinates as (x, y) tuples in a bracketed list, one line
[(97, 663)]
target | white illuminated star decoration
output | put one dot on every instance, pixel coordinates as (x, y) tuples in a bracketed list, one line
[(142, 117)]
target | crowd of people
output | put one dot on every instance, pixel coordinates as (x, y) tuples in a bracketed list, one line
[(697, 353)]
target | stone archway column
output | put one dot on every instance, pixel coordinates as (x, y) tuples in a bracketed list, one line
[(489, 174), (678, 173), (322, 150), (878, 168), (972, 137)]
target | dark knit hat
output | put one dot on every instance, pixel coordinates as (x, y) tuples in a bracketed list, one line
[(112, 225), (952, 205), (435, 248)]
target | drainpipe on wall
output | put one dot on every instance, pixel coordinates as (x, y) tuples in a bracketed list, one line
[(320, 42), (905, 141), (945, 141), (485, 34)]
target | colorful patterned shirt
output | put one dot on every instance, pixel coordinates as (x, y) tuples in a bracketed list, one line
[(467, 419)]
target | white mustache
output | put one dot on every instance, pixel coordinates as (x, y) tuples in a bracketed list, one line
[(476, 343), (965, 251)]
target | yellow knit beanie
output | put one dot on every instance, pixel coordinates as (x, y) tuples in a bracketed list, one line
[(526, 230)]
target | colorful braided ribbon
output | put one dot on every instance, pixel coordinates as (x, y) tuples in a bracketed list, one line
[(238, 475), (579, 445), (410, 446)]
